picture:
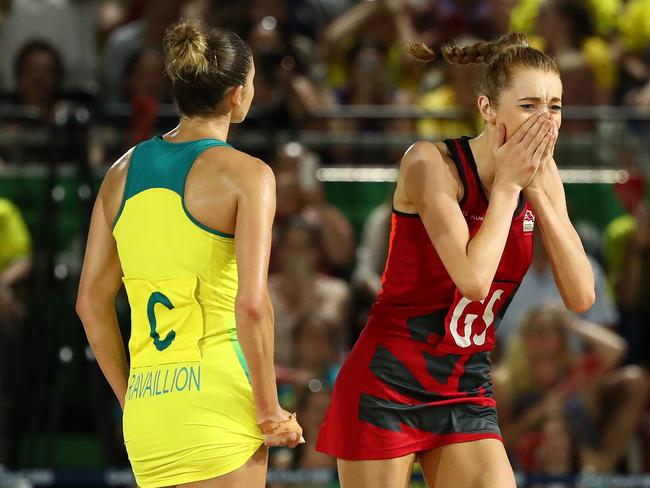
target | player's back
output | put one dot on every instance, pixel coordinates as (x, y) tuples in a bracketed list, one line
[(188, 372)]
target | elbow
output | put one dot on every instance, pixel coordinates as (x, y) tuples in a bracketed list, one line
[(82, 306), (251, 309), (474, 289), (620, 353), (614, 356), (582, 301), (84, 310)]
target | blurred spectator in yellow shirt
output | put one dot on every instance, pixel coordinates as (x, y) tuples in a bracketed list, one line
[(15, 266), (15, 259), (627, 259)]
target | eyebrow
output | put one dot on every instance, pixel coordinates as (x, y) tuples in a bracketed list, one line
[(537, 99)]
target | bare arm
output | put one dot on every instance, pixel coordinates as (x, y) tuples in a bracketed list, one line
[(429, 185), (17, 270), (101, 279), (336, 234), (350, 22), (253, 311), (571, 267), (403, 23), (629, 282), (608, 345)]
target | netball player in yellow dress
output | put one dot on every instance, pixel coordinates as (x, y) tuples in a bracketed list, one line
[(184, 221)]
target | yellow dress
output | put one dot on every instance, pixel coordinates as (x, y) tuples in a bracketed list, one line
[(189, 413)]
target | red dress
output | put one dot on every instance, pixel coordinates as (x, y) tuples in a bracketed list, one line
[(418, 377)]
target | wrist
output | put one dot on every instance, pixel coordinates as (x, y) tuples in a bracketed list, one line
[(267, 408), (274, 414), (508, 190), (533, 194), (533, 190)]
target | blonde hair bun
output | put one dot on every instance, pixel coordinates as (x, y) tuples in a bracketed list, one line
[(185, 46)]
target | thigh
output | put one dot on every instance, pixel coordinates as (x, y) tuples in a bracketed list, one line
[(250, 475), (475, 464), (387, 473)]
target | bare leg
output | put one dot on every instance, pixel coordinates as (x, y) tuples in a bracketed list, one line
[(629, 386), (250, 475), (476, 464), (387, 473)]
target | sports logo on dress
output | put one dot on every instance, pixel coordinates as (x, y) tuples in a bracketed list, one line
[(529, 221)]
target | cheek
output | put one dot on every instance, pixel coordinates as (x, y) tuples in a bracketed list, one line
[(512, 121)]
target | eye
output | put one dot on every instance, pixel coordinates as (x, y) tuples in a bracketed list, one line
[(527, 106), (556, 107)]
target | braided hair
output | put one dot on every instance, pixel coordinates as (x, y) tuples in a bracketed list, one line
[(500, 55)]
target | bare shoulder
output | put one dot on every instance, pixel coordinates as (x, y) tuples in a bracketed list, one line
[(425, 166), (432, 155), (116, 174), (112, 189), (242, 169)]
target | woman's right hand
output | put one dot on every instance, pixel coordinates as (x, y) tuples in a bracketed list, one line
[(280, 429), (518, 158)]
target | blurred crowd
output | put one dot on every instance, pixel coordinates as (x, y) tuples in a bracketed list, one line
[(313, 56), (572, 391)]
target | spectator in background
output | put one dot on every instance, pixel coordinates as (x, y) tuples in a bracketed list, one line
[(457, 90), (540, 373), (144, 88), (365, 62), (385, 24), (442, 21), (372, 251), (627, 258), (603, 13), (69, 26), (127, 41), (301, 194), (316, 352), (371, 261), (15, 267), (39, 76), (15, 260), (633, 47), (298, 289), (538, 288), (552, 450), (312, 405), (144, 77), (285, 97), (575, 33), (305, 387), (585, 62), (310, 17)]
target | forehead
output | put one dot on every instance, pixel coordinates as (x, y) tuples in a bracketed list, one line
[(534, 83)]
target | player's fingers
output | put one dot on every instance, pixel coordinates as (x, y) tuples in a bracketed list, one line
[(535, 136), (523, 129), (550, 148), (546, 139)]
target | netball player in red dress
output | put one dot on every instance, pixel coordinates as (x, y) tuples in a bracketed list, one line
[(416, 385)]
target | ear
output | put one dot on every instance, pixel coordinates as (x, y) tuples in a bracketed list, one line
[(235, 96), (487, 110)]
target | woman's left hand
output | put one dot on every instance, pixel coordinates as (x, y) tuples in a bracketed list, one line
[(537, 184)]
